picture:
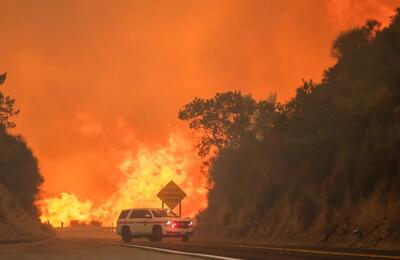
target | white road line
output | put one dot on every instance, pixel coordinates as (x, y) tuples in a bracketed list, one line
[(157, 249), (310, 251), (277, 249)]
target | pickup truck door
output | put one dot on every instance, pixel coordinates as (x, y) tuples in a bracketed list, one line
[(138, 221), (148, 223)]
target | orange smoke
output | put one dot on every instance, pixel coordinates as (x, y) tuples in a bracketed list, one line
[(145, 172), (94, 78), (349, 13)]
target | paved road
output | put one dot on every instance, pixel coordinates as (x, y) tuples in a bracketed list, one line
[(78, 250), (264, 252), (98, 244)]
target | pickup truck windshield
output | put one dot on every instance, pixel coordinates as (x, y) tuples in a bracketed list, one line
[(163, 213)]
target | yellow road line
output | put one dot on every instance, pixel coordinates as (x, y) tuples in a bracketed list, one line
[(310, 251)]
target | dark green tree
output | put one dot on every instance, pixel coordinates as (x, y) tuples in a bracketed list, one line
[(327, 158), (222, 120), (19, 170), (7, 110)]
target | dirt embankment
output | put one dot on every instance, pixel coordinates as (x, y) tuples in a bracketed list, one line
[(385, 235), (15, 224)]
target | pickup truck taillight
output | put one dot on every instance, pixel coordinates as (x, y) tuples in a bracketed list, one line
[(179, 224), (171, 223)]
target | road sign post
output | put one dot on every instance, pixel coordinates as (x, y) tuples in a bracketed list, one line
[(171, 195)]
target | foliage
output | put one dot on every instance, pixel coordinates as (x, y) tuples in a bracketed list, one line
[(7, 110), (319, 160), (19, 170), (223, 120)]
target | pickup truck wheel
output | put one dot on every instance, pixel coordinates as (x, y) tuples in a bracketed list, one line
[(157, 234), (185, 238), (126, 234)]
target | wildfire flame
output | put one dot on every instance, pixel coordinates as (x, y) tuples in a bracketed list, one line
[(65, 208), (145, 172)]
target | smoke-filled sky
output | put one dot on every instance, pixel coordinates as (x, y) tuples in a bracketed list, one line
[(95, 79)]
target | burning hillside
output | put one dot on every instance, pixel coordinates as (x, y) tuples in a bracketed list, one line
[(145, 172)]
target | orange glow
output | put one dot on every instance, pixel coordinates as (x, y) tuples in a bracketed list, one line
[(370, 9), (63, 209), (99, 83), (145, 172)]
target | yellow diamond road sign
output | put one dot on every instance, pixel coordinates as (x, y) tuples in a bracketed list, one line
[(171, 195)]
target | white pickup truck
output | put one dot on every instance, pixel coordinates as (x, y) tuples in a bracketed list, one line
[(153, 223)]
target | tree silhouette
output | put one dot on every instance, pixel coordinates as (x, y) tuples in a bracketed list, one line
[(327, 158), (19, 170), (223, 120), (7, 110)]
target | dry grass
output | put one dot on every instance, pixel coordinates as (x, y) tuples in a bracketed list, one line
[(16, 224), (373, 222)]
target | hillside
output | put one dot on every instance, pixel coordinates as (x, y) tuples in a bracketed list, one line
[(20, 179), (322, 168), (15, 223)]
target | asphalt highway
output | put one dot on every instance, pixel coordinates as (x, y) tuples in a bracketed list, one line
[(86, 244), (237, 251)]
